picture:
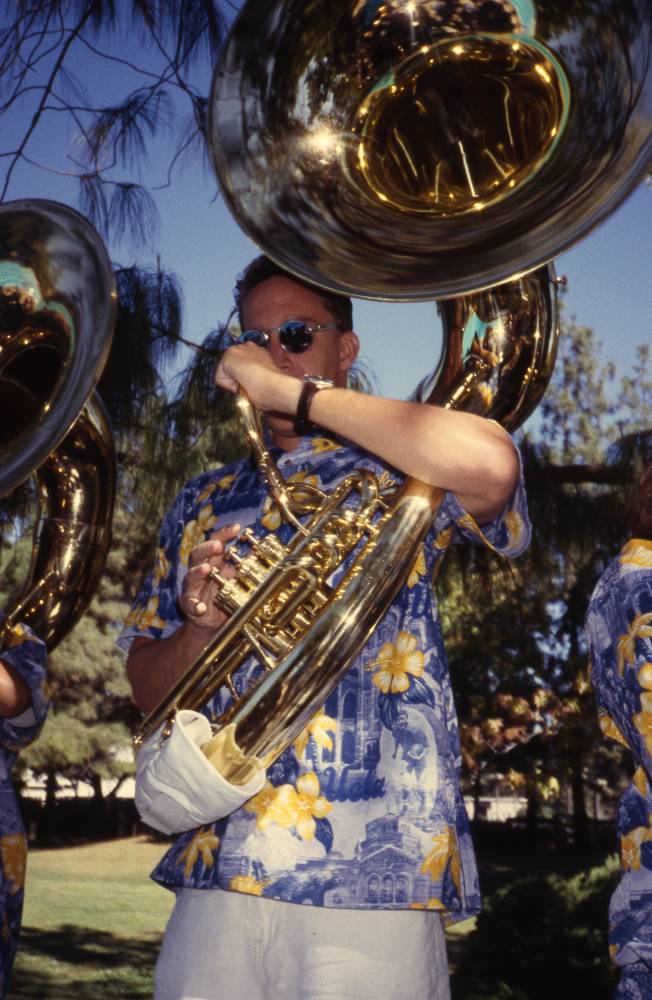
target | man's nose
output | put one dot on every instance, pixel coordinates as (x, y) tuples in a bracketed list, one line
[(280, 357)]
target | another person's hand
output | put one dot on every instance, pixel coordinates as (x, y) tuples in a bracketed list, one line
[(199, 591)]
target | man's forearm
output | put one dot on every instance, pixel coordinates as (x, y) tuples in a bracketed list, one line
[(469, 455), (461, 452), (154, 665)]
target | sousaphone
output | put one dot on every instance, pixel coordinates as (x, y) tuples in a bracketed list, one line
[(57, 311), (405, 150)]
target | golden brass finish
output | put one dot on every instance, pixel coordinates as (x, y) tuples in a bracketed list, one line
[(303, 631), (498, 352), (57, 309), (412, 149), (72, 533), (416, 161)]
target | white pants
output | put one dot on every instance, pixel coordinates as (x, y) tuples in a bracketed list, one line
[(220, 944)]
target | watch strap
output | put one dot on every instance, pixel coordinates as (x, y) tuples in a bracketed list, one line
[(308, 390), (310, 387)]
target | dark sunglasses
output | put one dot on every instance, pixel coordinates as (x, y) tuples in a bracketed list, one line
[(294, 335)]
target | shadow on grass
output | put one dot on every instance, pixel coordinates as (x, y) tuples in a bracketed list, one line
[(77, 963)]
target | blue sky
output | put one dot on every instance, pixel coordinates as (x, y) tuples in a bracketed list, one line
[(608, 272)]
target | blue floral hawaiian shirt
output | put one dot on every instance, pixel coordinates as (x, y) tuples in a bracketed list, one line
[(365, 809), (619, 630), (27, 655)]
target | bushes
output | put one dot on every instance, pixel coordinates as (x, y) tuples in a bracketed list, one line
[(78, 820), (540, 938)]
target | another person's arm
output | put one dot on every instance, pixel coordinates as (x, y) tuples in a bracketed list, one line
[(23, 689), (15, 695)]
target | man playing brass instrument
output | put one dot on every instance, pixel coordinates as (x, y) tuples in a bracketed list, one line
[(363, 817)]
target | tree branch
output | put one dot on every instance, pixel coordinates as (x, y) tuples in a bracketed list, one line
[(46, 92)]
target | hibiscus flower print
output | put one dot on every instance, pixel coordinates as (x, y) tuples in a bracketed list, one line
[(644, 676), (265, 806), (515, 528), (435, 862), (195, 532), (17, 635), (444, 537), (147, 617), (417, 571), (321, 444), (610, 730), (396, 662), (292, 808), (202, 845), (640, 628), (444, 852), (223, 484), (637, 554), (247, 884), (320, 727), (13, 851), (643, 720), (162, 567), (630, 847)]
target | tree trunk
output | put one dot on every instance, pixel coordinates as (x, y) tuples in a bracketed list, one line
[(50, 789), (96, 785), (581, 831), (476, 800), (532, 818)]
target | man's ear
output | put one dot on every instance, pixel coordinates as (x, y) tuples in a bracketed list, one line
[(349, 349)]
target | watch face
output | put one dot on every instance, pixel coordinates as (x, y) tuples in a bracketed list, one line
[(319, 380)]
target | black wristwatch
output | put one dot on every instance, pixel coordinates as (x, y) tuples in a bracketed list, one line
[(311, 385)]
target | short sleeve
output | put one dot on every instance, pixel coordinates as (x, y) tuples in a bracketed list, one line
[(27, 655), (509, 534), (155, 612)]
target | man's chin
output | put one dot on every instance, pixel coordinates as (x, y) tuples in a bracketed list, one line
[(281, 424)]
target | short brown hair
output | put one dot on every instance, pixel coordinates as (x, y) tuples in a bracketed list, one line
[(262, 269)]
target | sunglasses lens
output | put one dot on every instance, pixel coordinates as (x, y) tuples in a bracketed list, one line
[(295, 336), (254, 337)]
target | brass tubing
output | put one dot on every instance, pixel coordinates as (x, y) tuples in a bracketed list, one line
[(301, 682)]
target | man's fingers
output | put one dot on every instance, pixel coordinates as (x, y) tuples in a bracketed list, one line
[(227, 532), (206, 550), (193, 607), (197, 574), (213, 546)]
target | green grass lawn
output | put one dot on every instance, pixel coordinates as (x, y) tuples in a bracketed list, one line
[(92, 923), (93, 919)]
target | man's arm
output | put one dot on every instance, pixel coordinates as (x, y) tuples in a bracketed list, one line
[(154, 665), (15, 695), (469, 455), (461, 452)]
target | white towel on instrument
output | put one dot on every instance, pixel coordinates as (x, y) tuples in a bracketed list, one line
[(177, 788)]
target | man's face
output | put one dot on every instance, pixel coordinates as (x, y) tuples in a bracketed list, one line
[(331, 353), (276, 300)]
